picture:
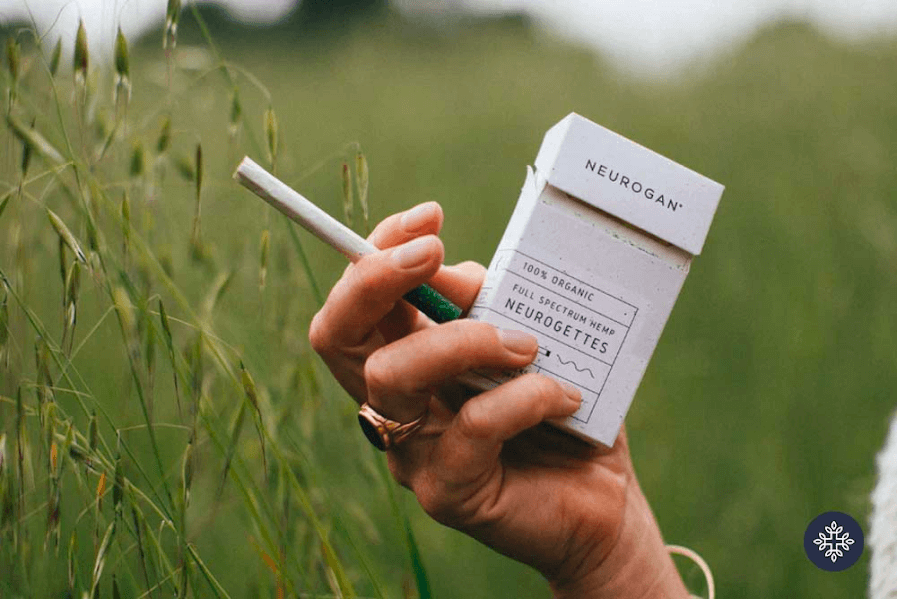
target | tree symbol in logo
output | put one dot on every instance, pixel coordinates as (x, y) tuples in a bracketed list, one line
[(834, 541)]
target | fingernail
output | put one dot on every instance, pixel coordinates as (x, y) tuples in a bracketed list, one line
[(414, 253), (571, 391), (416, 218), (518, 341)]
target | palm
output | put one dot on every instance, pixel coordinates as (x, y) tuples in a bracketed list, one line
[(542, 489)]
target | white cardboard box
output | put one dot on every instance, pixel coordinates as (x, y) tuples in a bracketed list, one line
[(591, 263)]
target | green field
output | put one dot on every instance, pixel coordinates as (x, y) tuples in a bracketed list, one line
[(764, 405)]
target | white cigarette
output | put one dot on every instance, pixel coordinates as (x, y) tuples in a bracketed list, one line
[(280, 195), (334, 233)]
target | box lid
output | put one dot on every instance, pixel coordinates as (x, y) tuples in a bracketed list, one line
[(629, 181)]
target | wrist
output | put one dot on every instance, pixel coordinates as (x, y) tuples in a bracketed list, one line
[(637, 566)]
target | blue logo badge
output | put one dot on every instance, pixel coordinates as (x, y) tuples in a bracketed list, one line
[(833, 541)]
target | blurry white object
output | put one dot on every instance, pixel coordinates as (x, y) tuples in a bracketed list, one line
[(882, 538)]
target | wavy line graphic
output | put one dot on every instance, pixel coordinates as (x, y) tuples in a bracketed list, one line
[(578, 369)]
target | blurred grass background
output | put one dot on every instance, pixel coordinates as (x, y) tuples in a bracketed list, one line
[(772, 386)]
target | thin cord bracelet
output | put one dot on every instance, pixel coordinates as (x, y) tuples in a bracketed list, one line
[(693, 556)]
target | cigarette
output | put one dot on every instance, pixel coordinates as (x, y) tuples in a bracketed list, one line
[(329, 230)]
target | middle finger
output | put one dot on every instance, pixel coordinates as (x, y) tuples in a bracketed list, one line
[(400, 376)]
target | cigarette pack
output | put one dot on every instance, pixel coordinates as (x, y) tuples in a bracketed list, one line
[(591, 263)]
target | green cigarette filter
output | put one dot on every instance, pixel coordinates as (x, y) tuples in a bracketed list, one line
[(433, 304)]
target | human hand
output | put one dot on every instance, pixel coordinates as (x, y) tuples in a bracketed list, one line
[(482, 464)]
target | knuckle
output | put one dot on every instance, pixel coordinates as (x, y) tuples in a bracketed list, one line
[(318, 335), (471, 335), (450, 509), (379, 372), (462, 340), (472, 422), (384, 233), (435, 504), (541, 387), (472, 266), (365, 276), (398, 472), (466, 335), (378, 233)]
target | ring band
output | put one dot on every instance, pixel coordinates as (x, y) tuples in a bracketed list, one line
[(382, 432)]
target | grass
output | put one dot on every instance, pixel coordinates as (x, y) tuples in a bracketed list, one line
[(763, 406), (172, 406)]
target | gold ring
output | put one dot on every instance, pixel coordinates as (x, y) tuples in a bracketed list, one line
[(382, 432)]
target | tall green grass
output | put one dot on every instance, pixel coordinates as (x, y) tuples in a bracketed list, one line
[(144, 451), (763, 406)]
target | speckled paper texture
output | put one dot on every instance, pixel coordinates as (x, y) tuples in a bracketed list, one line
[(594, 289)]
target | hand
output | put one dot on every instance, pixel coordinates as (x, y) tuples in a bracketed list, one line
[(481, 464)]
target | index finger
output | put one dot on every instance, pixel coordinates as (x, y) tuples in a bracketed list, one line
[(459, 283), (423, 219), (369, 290)]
